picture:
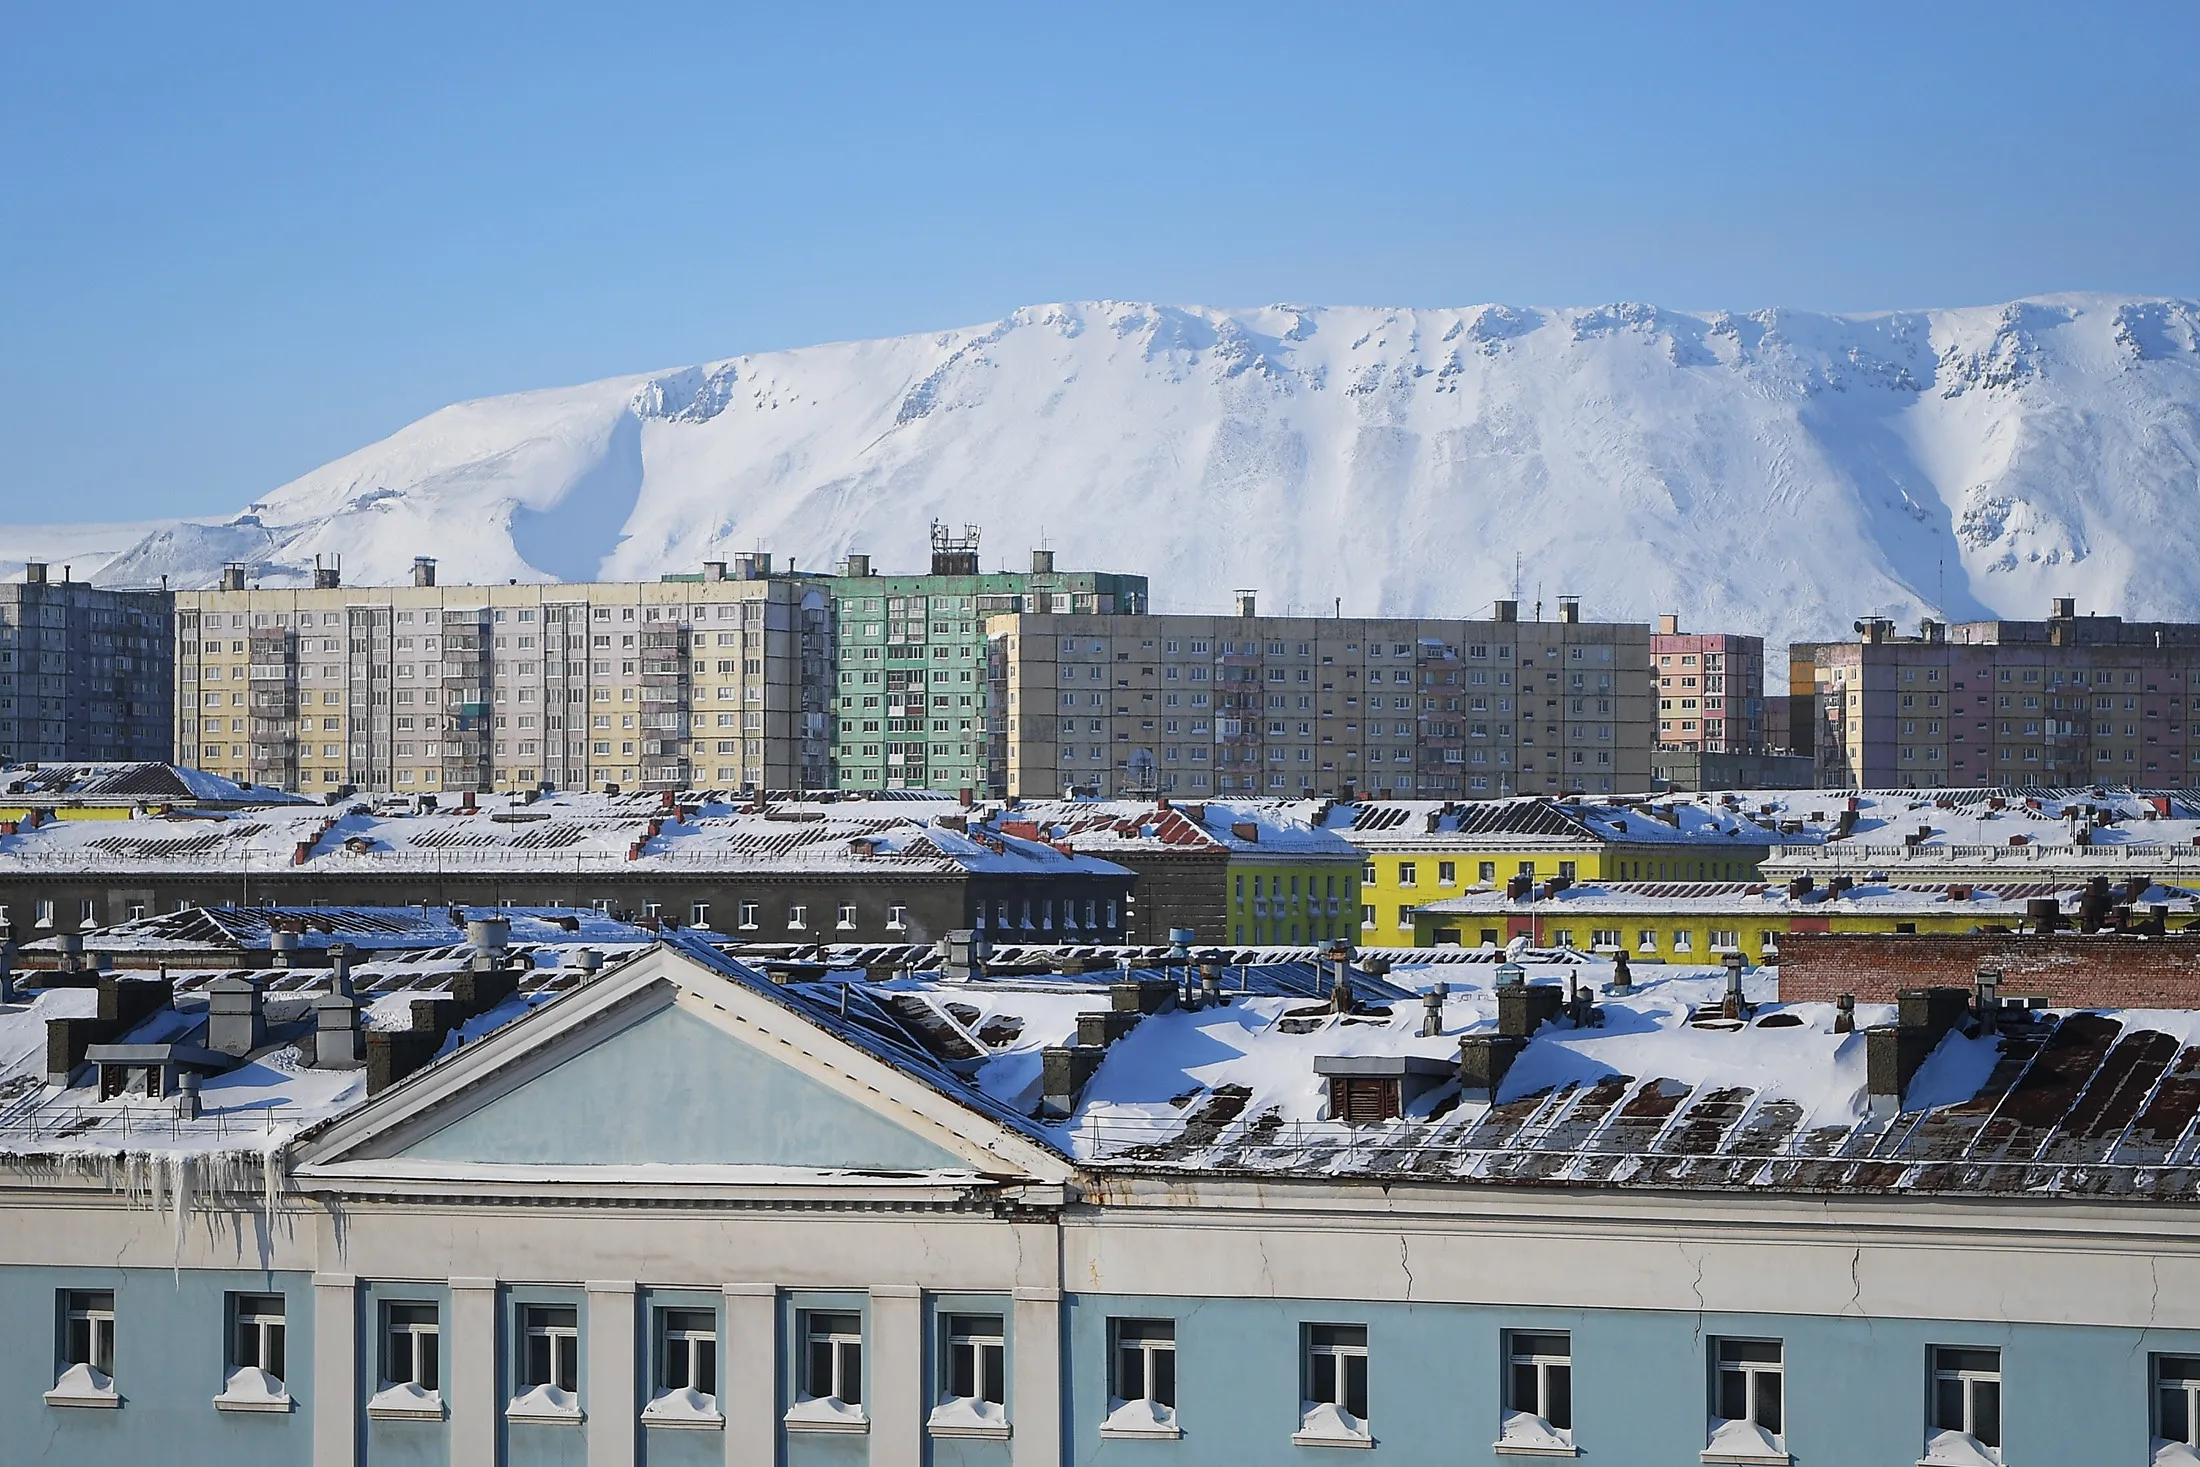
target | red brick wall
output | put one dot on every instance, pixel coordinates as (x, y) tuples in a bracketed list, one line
[(2072, 971)]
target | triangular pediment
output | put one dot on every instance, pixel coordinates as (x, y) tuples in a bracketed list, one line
[(675, 1090), (674, 1070)]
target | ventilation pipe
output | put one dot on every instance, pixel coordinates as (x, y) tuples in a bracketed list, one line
[(1432, 1010)]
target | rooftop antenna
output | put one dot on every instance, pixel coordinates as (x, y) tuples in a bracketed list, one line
[(1516, 578)]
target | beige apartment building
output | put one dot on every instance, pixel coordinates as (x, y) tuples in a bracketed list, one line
[(2066, 701), (720, 679), (1345, 707)]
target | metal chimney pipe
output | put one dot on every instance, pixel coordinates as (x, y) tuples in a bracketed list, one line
[(1432, 1010)]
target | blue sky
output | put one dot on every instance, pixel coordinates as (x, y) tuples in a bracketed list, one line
[(235, 243)]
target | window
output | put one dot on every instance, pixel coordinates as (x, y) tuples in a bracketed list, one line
[(748, 916), (847, 917), (1746, 1411), (973, 1383), (87, 1350), (1539, 1390), (1405, 873), (2177, 1400), (1486, 871), (1334, 1406), (411, 1367), (1966, 1408), (1142, 1383), (897, 918), (550, 1347), (254, 1378), (687, 1367), (829, 1394), (1447, 873), (798, 917)]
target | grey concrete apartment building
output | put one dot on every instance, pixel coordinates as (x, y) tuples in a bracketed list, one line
[(2069, 700), (84, 671), (722, 681), (1345, 707)]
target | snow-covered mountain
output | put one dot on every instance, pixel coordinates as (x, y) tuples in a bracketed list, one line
[(1781, 470)]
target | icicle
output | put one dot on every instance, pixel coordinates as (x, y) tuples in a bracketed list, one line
[(181, 1191)]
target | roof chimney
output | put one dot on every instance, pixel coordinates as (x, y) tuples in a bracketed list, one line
[(423, 570), (34, 573), (1504, 611), (1569, 609), (1042, 562), (1669, 624), (2062, 606), (232, 576), (1245, 604)]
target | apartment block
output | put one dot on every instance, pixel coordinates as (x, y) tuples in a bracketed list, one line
[(84, 672), (718, 679), (2069, 700), (1342, 707), (912, 695), (1711, 690)]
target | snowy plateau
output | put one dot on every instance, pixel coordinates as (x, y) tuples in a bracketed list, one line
[(1779, 471)]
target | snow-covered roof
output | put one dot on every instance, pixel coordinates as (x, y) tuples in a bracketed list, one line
[(130, 783), (1535, 821), (1232, 827), (1748, 898), (2104, 827), (365, 929), (552, 833)]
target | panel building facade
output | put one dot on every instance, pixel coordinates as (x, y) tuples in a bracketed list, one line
[(912, 697), (2069, 700), (84, 672), (722, 679), (1343, 707)]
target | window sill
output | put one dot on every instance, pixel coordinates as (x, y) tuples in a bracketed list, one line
[(1535, 1449), (546, 1405), (82, 1386), (1747, 1459), (684, 1410), (406, 1402), (1327, 1439), (1140, 1421), (823, 1414)]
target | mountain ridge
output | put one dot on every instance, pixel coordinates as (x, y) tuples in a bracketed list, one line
[(1778, 470)]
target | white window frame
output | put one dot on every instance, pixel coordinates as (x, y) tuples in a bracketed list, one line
[(1326, 1416), (748, 916), (798, 918), (413, 1328), (1738, 1362), (87, 1349), (685, 1352), (550, 1346), (897, 918), (973, 1352), (1150, 1410), (839, 1405), (845, 918), (257, 1339), (1537, 1424), (1967, 1445), (2184, 1381)]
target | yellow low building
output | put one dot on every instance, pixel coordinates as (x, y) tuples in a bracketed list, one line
[(1417, 852), (1701, 923)]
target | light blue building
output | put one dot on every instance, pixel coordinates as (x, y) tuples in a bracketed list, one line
[(678, 1213)]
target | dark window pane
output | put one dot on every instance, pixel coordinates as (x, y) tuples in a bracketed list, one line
[(851, 1374), (400, 1366), (1988, 1361), (820, 1382), (995, 1371), (1322, 1384), (248, 1344), (1526, 1344), (706, 1367), (1986, 1411), (566, 1359), (1129, 1380), (1948, 1405), (1355, 1385), (1164, 1377), (1733, 1394), (1765, 1352), (962, 1370), (1523, 1390), (1562, 1396), (1768, 1401), (427, 1375), (80, 1341), (273, 1364), (538, 1360), (676, 1365), (2180, 1367), (2176, 1422)]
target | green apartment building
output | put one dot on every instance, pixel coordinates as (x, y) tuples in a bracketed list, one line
[(909, 707)]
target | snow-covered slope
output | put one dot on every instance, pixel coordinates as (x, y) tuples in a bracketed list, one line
[(1780, 471)]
